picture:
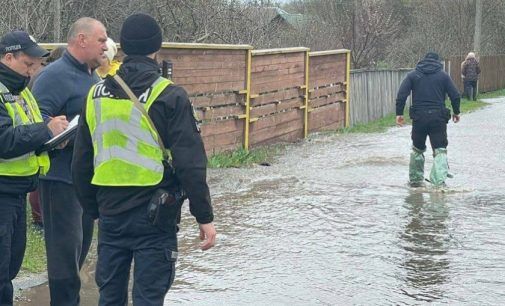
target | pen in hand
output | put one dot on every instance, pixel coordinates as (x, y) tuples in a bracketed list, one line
[(57, 124)]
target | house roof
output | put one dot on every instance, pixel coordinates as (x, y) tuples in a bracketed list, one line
[(295, 20), (271, 13)]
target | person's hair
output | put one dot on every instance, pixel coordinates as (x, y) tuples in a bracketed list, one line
[(15, 54), (82, 25), (470, 55), (55, 54)]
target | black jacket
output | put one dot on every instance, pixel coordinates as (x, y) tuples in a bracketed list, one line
[(172, 115), (470, 70), (17, 141), (429, 85)]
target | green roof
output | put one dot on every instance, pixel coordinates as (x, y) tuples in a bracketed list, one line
[(296, 20)]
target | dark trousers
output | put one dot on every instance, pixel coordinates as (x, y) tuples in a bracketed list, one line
[(12, 242), (68, 234), (470, 90), (128, 236), (432, 123)]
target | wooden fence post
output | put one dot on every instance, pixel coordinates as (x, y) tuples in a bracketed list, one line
[(306, 110), (347, 89), (247, 101)]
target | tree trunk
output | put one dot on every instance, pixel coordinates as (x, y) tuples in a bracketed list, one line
[(57, 20), (478, 26)]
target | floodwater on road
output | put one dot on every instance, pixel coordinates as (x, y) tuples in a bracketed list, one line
[(332, 222)]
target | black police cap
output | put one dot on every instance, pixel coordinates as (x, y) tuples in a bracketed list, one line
[(20, 41)]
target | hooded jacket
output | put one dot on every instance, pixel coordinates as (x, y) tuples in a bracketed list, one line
[(172, 115), (429, 85), (470, 69), (18, 140)]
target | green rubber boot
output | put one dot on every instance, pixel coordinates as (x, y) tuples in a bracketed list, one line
[(416, 168), (440, 169)]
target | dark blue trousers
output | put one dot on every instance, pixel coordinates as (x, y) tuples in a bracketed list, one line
[(68, 234), (129, 236), (12, 242)]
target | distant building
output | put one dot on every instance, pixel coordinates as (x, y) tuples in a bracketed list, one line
[(287, 20), (275, 18)]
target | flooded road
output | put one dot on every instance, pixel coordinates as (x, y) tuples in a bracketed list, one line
[(332, 222)]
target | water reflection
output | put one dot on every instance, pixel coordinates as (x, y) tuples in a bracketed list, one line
[(425, 240)]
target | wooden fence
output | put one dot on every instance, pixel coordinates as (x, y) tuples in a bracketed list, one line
[(492, 76), (215, 78), (245, 97), (373, 93), (328, 103), (278, 82)]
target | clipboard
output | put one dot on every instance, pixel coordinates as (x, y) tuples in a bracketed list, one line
[(52, 143)]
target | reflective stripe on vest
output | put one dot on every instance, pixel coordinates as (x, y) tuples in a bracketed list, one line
[(27, 164), (125, 149)]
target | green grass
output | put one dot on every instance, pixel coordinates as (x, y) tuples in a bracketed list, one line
[(35, 254), (35, 260), (376, 126), (241, 157), (468, 106), (493, 94)]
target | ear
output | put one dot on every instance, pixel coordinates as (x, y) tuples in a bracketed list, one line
[(8, 57), (81, 39)]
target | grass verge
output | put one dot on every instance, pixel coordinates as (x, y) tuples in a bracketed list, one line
[(35, 254), (241, 157), (468, 106), (376, 126), (493, 94)]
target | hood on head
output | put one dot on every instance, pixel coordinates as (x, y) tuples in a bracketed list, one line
[(429, 66)]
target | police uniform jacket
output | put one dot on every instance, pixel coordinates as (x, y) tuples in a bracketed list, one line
[(172, 115), (19, 140)]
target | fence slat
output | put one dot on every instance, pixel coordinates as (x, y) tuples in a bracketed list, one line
[(373, 93)]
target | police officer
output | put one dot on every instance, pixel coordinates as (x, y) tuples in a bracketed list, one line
[(121, 170), (22, 131), (429, 85)]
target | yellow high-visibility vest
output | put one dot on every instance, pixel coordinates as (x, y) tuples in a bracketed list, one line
[(29, 163), (124, 143)]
